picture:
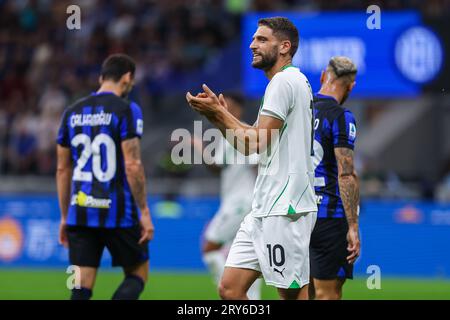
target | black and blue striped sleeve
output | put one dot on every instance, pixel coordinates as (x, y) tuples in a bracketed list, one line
[(132, 124), (63, 133), (344, 130)]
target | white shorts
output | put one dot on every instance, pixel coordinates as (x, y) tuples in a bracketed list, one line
[(276, 246), (225, 224)]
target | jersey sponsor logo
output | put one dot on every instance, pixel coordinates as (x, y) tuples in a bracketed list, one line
[(279, 271), (83, 200), (96, 119), (139, 126), (352, 131)]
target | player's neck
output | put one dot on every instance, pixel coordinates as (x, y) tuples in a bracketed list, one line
[(332, 92), (280, 65), (110, 87)]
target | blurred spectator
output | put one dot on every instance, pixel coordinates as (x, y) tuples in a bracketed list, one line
[(22, 150), (443, 189), (51, 105), (44, 67)]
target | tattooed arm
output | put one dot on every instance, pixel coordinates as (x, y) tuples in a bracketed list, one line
[(348, 183), (136, 179), (349, 191)]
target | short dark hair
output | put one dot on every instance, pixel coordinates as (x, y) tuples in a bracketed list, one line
[(283, 29), (116, 65)]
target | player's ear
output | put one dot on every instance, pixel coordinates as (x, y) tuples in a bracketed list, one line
[(127, 77), (350, 87), (285, 47), (322, 77), (100, 80)]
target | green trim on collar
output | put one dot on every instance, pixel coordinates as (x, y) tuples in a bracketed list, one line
[(286, 66)]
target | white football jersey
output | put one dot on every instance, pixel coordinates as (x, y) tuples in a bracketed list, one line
[(285, 182)]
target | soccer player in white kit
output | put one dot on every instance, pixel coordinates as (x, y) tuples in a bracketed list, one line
[(237, 180), (273, 240)]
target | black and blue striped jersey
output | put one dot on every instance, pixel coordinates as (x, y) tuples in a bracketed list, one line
[(334, 127), (93, 128)]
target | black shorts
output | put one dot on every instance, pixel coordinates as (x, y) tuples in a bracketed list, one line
[(86, 246), (328, 250)]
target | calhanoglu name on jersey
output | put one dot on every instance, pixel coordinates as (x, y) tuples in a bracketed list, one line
[(96, 119), (83, 200)]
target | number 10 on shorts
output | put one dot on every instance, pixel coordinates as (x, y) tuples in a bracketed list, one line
[(276, 255)]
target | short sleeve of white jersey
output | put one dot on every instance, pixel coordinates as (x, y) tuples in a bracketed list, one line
[(278, 97)]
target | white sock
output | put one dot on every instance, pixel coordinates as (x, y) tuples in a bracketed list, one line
[(254, 292), (215, 261)]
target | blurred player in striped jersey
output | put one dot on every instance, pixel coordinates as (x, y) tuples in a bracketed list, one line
[(335, 241), (101, 182), (237, 180)]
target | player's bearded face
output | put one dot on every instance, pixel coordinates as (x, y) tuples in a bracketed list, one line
[(265, 59)]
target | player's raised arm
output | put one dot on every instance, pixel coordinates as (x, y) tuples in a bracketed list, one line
[(246, 139), (349, 191), (136, 179), (63, 182)]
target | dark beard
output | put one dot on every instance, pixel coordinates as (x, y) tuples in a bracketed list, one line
[(267, 61)]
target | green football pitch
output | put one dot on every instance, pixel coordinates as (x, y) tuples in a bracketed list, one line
[(51, 284)]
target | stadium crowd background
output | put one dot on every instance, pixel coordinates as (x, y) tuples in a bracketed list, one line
[(43, 68), (402, 151)]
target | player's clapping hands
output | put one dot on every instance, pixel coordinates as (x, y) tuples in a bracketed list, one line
[(206, 103)]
